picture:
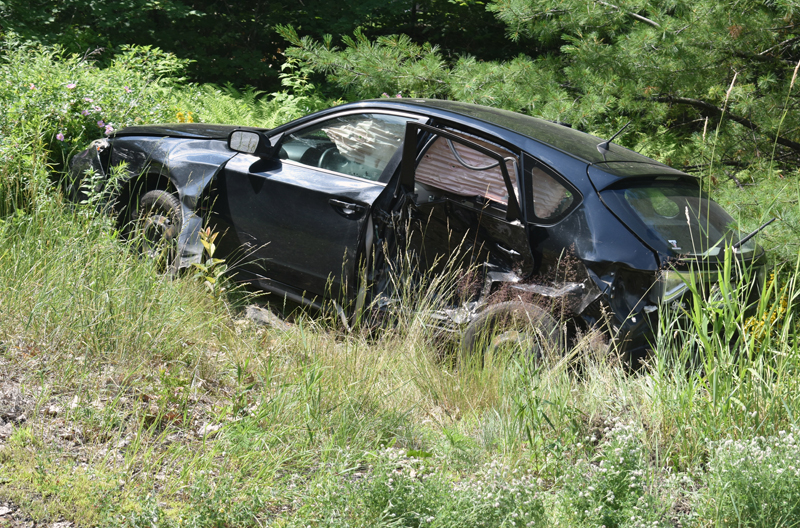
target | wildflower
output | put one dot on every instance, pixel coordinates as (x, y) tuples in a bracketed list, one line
[(88, 99), (96, 108), (101, 124), (60, 136), (85, 112), (127, 89), (32, 86), (399, 94), (71, 86), (109, 129)]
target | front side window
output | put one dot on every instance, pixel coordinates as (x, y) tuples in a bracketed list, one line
[(358, 145)]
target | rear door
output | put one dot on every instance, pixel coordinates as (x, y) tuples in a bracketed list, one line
[(299, 221), (467, 201)]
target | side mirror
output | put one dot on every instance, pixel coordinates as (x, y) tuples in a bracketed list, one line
[(244, 141), (251, 142)]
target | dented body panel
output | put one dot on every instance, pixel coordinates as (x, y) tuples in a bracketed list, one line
[(538, 208)]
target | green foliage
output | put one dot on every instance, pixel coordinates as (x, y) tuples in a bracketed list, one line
[(251, 107), (236, 43), (704, 83), (411, 491), (190, 30), (210, 272), (613, 490), (753, 204), (364, 68), (52, 105)]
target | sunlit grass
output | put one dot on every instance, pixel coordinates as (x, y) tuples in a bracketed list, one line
[(149, 392)]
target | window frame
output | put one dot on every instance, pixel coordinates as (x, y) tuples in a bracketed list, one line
[(413, 118), (412, 157)]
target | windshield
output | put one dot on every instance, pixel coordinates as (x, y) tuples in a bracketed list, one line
[(682, 215)]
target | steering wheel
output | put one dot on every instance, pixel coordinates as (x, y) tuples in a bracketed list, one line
[(326, 157)]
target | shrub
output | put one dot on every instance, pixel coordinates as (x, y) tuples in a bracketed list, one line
[(52, 105), (410, 492), (613, 490)]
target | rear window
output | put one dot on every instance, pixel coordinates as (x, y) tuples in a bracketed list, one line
[(680, 214)]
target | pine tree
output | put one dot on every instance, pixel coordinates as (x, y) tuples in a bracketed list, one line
[(687, 74)]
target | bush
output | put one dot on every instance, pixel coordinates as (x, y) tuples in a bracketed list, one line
[(52, 105), (613, 490), (410, 492), (249, 107)]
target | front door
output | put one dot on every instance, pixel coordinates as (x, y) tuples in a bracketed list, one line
[(299, 221)]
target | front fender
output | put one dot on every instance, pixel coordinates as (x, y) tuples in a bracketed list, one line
[(189, 164)]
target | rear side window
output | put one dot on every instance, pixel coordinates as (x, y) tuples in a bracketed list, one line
[(550, 198), (459, 169)]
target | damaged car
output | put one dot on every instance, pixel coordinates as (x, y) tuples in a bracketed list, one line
[(302, 208)]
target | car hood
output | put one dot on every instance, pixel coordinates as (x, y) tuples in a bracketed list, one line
[(183, 130)]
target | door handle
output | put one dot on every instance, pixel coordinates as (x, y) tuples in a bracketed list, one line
[(347, 208)]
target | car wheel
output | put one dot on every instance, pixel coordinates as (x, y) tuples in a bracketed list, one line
[(157, 224), (510, 329)]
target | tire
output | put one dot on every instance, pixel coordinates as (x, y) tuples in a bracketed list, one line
[(510, 329), (157, 224)]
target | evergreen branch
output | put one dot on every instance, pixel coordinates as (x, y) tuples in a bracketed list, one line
[(697, 103), (761, 58), (785, 42), (640, 18)]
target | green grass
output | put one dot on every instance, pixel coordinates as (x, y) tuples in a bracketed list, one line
[(148, 398)]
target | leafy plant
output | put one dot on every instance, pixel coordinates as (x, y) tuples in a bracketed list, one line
[(612, 490), (52, 104), (753, 482), (251, 107), (211, 271)]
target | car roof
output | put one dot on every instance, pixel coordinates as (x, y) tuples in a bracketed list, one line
[(568, 140), (574, 143)]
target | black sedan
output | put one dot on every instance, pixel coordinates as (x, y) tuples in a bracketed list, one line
[(559, 225)]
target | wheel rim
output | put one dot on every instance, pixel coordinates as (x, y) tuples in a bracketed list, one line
[(159, 236)]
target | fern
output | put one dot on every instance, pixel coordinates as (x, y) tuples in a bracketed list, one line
[(250, 107)]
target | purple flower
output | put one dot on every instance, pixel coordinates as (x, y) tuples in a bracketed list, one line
[(384, 94), (127, 89), (109, 129), (32, 86), (84, 112), (71, 86), (399, 95), (88, 99), (96, 108), (60, 136), (101, 124)]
